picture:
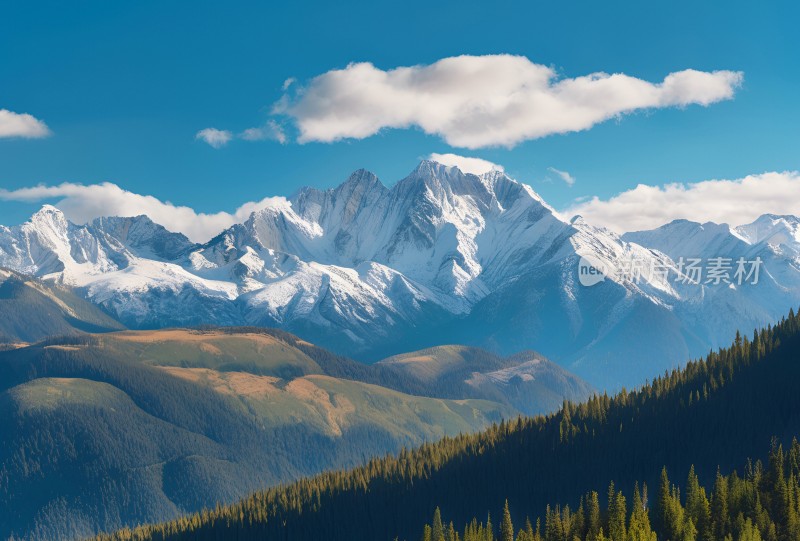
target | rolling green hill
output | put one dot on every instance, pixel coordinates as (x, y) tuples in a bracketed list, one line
[(31, 310), (713, 413), (526, 381), (105, 430)]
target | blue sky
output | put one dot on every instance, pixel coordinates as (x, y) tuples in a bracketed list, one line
[(124, 88)]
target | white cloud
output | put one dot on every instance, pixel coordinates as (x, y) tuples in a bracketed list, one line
[(82, 203), (734, 202), (481, 101), (21, 125), (476, 166), (563, 175), (271, 130), (219, 138), (214, 137)]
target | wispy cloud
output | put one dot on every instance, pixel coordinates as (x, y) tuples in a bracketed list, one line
[(476, 166), (83, 203), (214, 137), (483, 101), (269, 131), (563, 175), (734, 202), (21, 125)]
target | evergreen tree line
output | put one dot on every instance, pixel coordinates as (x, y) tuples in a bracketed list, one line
[(763, 505), (712, 413)]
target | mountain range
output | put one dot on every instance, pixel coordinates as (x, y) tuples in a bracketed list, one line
[(440, 257)]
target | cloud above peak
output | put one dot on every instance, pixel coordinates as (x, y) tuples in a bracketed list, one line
[(483, 101), (643, 207), (83, 203), (476, 166), (21, 125), (733, 202)]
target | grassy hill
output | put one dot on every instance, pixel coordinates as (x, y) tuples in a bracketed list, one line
[(713, 413), (101, 431), (526, 381)]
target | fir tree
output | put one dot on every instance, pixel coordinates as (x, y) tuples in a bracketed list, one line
[(506, 527), (593, 516), (719, 508)]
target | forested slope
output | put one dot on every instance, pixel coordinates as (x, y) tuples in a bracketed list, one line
[(714, 412), (761, 504)]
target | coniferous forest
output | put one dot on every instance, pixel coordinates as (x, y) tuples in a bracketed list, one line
[(706, 419), (763, 504)]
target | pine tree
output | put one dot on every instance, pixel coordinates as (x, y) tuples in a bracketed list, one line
[(437, 528), (593, 516), (552, 523), (698, 507), (451, 532), (639, 524), (611, 502), (529, 530), (688, 529), (719, 508), (506, 526), (577, 526), (664, 501), (749, 532), (616, 518)]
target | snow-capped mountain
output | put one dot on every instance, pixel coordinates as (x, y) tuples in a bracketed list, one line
[(782, 233), (440, 257), (725, 308)]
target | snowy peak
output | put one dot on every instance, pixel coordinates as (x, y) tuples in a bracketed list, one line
[(42, 243), (772, 229), (49, 215), (438, 227), (142, 237), (772, 233), (684, 238), (49, 226), (359, 183), (443, 183), (49, 245)]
